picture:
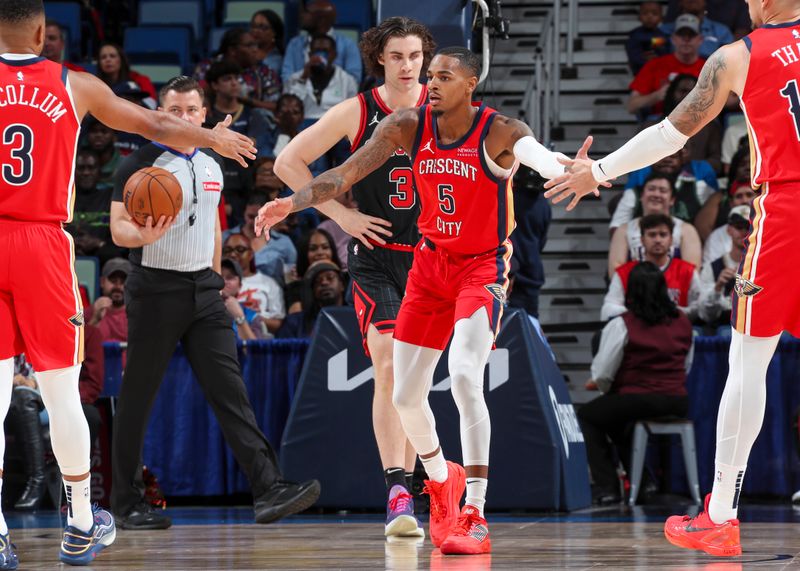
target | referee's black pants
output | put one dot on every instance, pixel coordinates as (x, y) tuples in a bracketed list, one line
[(165, 307)]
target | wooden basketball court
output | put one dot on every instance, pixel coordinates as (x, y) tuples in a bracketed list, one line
[(611, 538)]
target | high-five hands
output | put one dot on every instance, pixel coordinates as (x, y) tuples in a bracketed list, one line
[(577, 179)]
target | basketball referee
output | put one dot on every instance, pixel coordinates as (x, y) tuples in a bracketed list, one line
[(173, 294)]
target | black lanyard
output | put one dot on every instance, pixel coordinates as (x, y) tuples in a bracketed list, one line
[(193, 214)]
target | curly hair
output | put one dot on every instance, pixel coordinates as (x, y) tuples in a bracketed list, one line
[(374, 40)]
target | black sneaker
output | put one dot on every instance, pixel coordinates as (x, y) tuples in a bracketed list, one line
[(285, 498), (143, 517)]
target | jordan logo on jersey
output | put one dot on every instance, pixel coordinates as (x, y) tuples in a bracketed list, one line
[(375, 120), (427, 147), (745, 288)]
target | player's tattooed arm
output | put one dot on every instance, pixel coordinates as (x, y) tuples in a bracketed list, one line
[(707, 98), (395, 131)]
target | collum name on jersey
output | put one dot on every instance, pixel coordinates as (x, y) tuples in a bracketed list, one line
[(45, 102)]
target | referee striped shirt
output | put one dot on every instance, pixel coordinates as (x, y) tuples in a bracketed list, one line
[(189, 244)]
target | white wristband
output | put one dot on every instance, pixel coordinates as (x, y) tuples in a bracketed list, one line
[(646, 148), (532, 153)]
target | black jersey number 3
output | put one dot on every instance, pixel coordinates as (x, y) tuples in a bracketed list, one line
[(403, 197)]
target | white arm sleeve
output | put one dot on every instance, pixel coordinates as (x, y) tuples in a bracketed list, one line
[(646, 148), (532, 153)]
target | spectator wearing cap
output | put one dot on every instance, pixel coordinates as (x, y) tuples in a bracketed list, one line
[(318, 19), (321, 83), (113, 68), (54, 45), (323, 287), (715, 34), (108, 311), (650, 85), (247, 323), (719, 276), (126, 143), (259, 292)]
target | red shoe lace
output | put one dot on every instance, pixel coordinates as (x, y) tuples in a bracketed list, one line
[(437, 508), (463, 524), (400, 501)]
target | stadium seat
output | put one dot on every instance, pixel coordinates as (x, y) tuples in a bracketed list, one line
[(239, 13), (159, 45), (68, 14), (87, 268), (450, 21), (186, 12), (357, 14)]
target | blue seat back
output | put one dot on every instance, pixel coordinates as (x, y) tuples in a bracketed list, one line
[(68, 14), (156, 45), (185, 12), (450, 21), (355, 14)]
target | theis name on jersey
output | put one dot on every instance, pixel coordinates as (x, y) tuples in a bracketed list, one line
[(22, 94), (788, 54)]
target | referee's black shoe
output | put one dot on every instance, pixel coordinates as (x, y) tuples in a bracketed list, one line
[(143, 517), (285, 498)]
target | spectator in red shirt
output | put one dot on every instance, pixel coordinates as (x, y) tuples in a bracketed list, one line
[(54, 45), (108, 312), (650, 85)]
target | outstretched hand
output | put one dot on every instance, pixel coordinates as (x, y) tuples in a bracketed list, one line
[(270, 214), (232, 144), (577, 179)]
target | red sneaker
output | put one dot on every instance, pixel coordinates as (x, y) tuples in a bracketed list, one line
[(445, 498), (720, 539), (470, 535)]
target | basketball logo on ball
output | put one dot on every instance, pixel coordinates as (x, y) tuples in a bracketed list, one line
[(152, 191)]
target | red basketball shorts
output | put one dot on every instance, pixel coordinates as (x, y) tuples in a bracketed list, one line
[(766, 299), (41, 313), (444, 287)]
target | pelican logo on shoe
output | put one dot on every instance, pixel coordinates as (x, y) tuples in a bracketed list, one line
[(77, 319), (567, 422), (745, 288), (498, 292)]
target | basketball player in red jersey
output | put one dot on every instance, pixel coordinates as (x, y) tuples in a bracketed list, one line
[(399, 50), (41, 106), (763, 69), (463, 157)]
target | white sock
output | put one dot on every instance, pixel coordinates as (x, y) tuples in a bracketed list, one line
[(79, 505), (3, 525), (476, 493), (435, 467), (724, 501)]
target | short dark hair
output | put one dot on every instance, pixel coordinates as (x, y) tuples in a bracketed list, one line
[(180, 84), (330, 39), (220, 69), (658, 175), (50, 23), (231, 39), (20, 11), (653, 220), (288, 97), (468, 59), (374, 40)]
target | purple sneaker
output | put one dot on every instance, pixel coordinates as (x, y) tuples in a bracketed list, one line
[(400, 520)]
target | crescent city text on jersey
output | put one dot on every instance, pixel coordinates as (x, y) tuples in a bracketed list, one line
[(44, 101), (448, 166)]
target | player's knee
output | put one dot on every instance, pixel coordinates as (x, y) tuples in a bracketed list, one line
[(404, 401), (466, 392)]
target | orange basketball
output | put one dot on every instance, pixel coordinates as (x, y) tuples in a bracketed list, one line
[(152, 191)]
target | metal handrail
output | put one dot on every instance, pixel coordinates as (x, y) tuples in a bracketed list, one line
[(486, 52)]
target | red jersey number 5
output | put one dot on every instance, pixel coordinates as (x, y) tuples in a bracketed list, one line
[(403, 197)]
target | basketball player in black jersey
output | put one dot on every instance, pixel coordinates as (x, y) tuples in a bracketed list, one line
[(384, 228)]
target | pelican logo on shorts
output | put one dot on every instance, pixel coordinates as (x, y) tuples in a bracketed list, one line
[(77, 319), (498, 292), (745, 288)]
